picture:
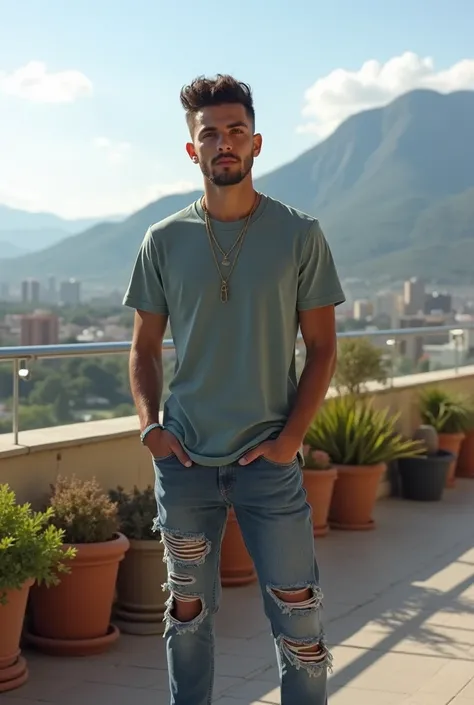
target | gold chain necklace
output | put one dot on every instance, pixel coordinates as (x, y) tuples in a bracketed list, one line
[(224, 289)]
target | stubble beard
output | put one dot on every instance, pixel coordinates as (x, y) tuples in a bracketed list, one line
[(228, 178)]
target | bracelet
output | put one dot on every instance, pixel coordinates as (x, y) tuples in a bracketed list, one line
[(149, 428)]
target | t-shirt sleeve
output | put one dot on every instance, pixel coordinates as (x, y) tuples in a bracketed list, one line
[(145, 291), (318, 282)]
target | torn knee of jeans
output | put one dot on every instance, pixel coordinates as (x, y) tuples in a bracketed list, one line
[(177, 579), (191, 621), (185, 549), (298, 599), (312, 655)]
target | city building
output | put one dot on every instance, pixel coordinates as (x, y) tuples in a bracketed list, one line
[(387, 305), (30, 291), (362, 309), (414, 294), (70, 292), (437, 302), (39, 328)]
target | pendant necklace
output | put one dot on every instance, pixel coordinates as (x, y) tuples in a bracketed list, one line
[(214, 245)]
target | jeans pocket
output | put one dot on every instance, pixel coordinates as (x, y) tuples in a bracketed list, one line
[(165, 457), (279, 465)]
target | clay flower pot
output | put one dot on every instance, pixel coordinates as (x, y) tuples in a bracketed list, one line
[(140, 604), (354, 496), (73, 618), (319, 486), (236, 565), (465, 464), (13, 668), (452, 443)]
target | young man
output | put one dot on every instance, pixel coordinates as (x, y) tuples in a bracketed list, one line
[(236, 273)]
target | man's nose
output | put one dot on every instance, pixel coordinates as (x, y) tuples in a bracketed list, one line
[(223, 144)]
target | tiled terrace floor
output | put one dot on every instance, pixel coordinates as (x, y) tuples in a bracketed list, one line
[(399, 613)]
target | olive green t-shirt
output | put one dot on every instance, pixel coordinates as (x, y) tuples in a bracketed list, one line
[(235, 380)]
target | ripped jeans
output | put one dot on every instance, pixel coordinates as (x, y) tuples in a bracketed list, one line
[(275, 520)]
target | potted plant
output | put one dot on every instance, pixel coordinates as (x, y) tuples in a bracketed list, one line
[(449, 415), (236, 565), (465, 463), (30, 549), (73, 618), (142, 575), (359, 361), (318, 479), (360, 440), (423, 477)]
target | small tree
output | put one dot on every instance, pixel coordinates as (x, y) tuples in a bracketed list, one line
[(359, 361)]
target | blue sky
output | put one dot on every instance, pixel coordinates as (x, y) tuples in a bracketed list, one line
[(89, 89)]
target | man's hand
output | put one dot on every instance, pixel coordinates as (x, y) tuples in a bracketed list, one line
[(279, 451), (162, 443)]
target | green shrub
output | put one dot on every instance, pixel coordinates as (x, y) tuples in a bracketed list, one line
[(30, 546)]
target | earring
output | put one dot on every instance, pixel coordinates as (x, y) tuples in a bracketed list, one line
[(195, 159)]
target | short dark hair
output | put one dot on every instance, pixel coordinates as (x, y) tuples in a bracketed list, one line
[(204, 92)]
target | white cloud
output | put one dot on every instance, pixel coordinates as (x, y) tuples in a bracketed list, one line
[(33, 82), (342, 93), (116, 151)]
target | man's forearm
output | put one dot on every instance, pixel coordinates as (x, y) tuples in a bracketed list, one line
[(146, 383), (312, 389)]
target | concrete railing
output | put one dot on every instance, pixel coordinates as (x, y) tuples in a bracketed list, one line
[(111, 451)]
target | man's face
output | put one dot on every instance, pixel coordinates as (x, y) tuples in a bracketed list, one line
[(223, 144)]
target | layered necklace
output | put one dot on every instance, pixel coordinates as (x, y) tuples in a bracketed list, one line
[(226, 262)]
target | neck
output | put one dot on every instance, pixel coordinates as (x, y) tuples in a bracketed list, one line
[(228, 203)]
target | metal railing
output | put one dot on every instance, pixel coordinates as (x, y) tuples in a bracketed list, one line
[(20, 355)]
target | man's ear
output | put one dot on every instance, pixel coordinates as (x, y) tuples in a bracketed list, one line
[(191, 152), (257, 144)]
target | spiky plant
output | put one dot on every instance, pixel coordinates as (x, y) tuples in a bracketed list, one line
[(445, 411), (353, 432)]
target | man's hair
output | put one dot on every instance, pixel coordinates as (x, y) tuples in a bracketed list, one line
[(205, 92)]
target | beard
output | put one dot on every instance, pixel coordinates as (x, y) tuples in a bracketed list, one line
[(230, 176)]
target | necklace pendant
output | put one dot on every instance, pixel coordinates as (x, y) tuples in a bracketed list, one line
[(224, 292), (226, 261)]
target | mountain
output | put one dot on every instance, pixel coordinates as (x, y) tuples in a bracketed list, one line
[(391, 186), (30, 240), (27, 231), (8, 250), (15, 219)]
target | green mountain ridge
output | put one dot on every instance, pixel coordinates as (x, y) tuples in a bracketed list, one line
[(391, 187)]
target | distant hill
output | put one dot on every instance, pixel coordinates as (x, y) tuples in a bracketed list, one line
[(8, 250), (392, 187), (16, 219)]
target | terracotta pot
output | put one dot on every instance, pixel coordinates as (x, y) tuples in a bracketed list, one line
[(319, 486), (140, 604), (452, 443), (465, 464), (354, 496), (236, 565), (73, 618), (13, 668)]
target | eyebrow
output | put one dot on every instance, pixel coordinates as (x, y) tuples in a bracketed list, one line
[(210, 128)]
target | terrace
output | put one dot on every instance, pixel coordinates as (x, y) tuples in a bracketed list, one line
[(399, 600)]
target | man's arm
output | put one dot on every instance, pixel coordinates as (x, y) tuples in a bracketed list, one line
[(318, 328), (146, 367), (146, 382)]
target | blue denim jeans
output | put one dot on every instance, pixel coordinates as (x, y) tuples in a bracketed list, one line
[(275, 520)]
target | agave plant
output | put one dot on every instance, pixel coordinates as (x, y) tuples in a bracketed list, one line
[(353, 432), (446, 412)]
